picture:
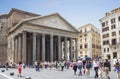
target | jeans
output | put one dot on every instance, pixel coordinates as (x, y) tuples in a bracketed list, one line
[(88, 72), (80, 70), (96, 72)]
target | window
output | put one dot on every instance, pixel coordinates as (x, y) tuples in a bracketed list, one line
[(106, 22), (113, 33), (106, 42), (103, 24), (80, 46), (85, 45), (113, 26), (113, 41), (80, 31), (85, 35), (113, 20), (104, 36), (119, 18), (105, 29), (107, 49), (81, 52), (93, 46), (80, 36), (107, 35), (104, 50)]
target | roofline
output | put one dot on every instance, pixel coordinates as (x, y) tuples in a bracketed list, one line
[(4, 15), (18, 10), (29, 19), (26, 20), (87, 25)]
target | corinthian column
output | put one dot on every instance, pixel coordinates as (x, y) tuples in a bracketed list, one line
[(51, 47), (43, 47), (65, 54), (24, 51), (71, 48), (59, 48), (34, 47), (19, 48), (76, 45)]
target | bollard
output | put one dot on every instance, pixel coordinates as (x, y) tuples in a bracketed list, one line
[(28, 77), (11, 73), (2, 70)]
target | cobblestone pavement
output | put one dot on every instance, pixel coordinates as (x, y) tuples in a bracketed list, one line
[(2, 77), (49, 74)]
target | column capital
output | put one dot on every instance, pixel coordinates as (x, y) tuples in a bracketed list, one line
[(51, 35), (34, 34), (43, 34)]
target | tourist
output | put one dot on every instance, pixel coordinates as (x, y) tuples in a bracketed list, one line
[(79, 64), (88, 66), (74, 67), (106, 68), (19, 69), (100, 71), (38, 66), (117, 69), (35, 65), (114, 62), (84, 68), (58, 65), (62, 66), (96, 66), (7, 65)]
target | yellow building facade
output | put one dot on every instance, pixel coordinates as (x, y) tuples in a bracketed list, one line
[(89, 41)]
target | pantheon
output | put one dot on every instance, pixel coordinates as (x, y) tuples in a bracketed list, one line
[(31, 37)]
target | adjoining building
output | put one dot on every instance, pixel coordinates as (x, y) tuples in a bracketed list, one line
[(111, 34), (89, 41), (3, 39), (32, 37)]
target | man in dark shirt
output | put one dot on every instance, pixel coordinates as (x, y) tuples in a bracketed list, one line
[(106, 67)]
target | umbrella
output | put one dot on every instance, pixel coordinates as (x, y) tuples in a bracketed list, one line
[(87, 58)]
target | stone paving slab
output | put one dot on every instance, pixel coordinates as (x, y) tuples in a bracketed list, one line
[(50, 74)]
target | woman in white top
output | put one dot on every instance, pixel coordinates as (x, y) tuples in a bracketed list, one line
[(96, 66)]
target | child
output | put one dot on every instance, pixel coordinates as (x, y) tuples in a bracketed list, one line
[(19, 69)]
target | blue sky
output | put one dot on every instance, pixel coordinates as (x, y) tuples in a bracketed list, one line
[(77, 12)]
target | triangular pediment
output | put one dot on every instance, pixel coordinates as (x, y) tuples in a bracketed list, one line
[(52, 21)]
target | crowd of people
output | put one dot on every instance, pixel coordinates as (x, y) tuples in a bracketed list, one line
[(80, 67)]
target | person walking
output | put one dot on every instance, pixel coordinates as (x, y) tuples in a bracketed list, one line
[(7, 65), (74, 67), (106, 68), (20, 69), (84, 67), (96, 66), (62, 66), (100, 71), (88, 66), (36, 65), (80, 64), (117, 69)]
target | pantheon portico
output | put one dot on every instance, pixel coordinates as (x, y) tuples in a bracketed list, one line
[(41, 38)]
